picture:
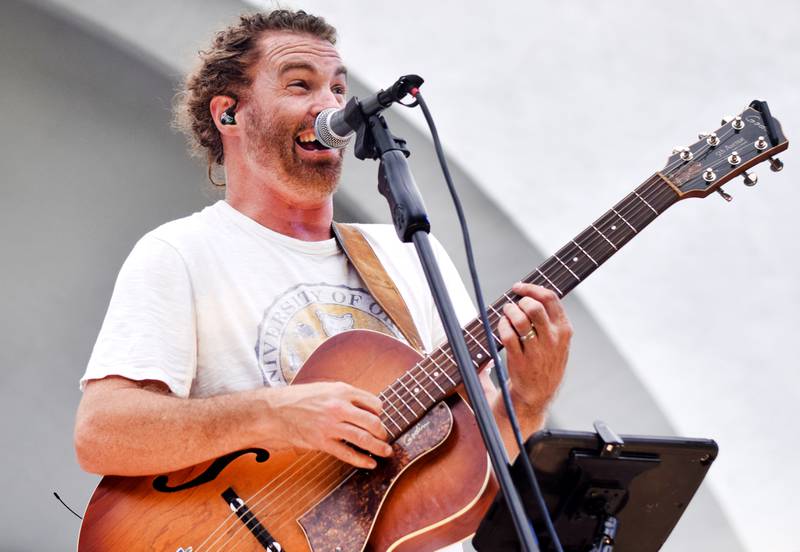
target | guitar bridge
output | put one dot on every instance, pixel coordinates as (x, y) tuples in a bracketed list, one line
[(238, 506)]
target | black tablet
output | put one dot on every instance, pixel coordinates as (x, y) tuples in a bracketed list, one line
[(635, 490)]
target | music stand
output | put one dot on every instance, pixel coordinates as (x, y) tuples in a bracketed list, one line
[(604, 492)]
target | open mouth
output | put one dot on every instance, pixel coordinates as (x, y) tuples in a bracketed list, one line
[(308, 141)]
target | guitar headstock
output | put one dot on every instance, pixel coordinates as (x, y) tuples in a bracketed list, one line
[(743, 141)]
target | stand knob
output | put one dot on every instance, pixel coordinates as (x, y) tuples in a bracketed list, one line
[(750, 179), (775, 164)]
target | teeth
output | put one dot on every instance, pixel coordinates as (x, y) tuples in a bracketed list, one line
[(307, 136)]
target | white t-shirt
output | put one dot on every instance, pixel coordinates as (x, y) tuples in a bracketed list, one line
[(215, 302)]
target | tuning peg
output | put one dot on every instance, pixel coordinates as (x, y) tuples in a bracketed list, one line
[(709, 175), (726, 119), (737, 123), (750, 179), (726, 196), (703, 135), (775, 164), (712, 139), (677, 149), (760, 144)]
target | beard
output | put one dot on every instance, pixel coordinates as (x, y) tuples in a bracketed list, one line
[(271, 143)]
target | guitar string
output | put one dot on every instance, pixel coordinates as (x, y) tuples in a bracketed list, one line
[(410, 374)]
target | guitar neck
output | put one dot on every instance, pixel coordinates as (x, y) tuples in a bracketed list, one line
[(436, 376)]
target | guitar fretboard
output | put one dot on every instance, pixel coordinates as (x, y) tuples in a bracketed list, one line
[(436, 376)]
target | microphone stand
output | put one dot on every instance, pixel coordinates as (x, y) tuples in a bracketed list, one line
[(396, 184)]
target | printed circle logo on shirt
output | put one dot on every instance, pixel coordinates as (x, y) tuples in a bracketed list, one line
[(304, 316)]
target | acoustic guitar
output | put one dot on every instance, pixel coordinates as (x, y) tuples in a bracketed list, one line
[(436, 487)]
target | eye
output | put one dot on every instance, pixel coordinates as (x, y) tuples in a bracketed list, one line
[(339, 89), (300, 84)]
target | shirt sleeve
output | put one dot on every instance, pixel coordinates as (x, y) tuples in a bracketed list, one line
[(149, 332)]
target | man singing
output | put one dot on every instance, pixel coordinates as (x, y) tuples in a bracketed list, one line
[(212, 315)]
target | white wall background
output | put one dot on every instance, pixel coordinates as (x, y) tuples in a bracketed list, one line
[(560, 96), (558, 109)]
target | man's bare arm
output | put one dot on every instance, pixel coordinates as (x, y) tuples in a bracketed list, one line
[(125, 427)]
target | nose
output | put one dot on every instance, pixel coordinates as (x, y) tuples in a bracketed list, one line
[(326, 99)]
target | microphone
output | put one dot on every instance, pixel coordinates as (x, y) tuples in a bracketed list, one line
[(331, 129), (334, 127)]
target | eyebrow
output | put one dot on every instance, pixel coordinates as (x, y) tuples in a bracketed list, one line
[(304, 65)]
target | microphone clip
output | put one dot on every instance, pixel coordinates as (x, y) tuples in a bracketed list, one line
[(360, 115)]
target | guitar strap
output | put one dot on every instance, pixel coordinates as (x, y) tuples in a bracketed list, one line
[(363, 258)]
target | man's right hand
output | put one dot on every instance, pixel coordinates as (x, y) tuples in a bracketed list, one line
[(329, 417)]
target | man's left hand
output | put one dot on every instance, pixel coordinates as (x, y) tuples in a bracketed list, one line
[(536, 334)]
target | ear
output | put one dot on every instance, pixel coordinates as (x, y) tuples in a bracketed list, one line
[(217, 106)]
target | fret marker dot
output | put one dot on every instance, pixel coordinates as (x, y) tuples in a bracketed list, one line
[(479, 356), (436, 374), (416, 390), (613, 227), (574, 259)]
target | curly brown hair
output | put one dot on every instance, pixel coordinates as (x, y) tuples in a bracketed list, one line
[(223, 71)]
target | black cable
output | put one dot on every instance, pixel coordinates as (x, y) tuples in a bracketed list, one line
[(502, 373), (55, 494)]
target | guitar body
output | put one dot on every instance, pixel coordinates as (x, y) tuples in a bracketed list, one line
[(432, 492)]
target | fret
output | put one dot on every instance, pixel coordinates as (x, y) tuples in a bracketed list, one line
[(479, 355), (436, 383), (605, 238), (420, 386), (576, 260), (493, 309), (391, 388), (413, 395), (596, 264), (568, 268), (549, 282), (635, 231), (614, 229), (390, 403), (645, 202), (441, 371), (390, 419)]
